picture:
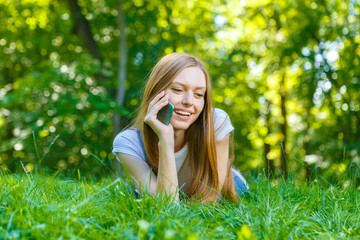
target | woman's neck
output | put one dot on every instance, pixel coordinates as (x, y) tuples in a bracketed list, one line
[(179, 139)]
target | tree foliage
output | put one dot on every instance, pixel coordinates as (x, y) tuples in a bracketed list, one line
[(285, 71)]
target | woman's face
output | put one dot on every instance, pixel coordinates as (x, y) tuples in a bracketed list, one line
[(187, 94)]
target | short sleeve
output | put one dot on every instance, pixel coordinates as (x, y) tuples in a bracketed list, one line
[(128, 142), (222, 124)]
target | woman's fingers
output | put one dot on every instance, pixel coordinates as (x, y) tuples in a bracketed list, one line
[(159, 101), (155, 107), (160, 104), (156, 99)]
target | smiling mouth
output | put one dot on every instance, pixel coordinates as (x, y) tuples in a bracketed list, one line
[(182, 113)]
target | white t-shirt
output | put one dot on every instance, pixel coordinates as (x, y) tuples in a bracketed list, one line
[(128, 141)]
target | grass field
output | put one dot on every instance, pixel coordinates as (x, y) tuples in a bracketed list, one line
[(47, 207)]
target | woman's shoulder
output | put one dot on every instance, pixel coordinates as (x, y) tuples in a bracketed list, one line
[(222, 123), (125, 137), (127, 133), (220, 117), (219, 113), (128, 141)]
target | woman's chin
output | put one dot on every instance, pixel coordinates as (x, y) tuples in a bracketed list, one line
[(179, 126)]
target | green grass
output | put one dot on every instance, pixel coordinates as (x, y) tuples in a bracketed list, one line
[(46, 207)]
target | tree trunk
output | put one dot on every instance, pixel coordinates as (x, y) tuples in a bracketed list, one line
[(120, 93), (10, 162), (283, 124), (308, 166), (82, 29), (270, 168)]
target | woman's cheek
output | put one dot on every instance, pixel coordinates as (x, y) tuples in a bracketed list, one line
[(201, 105), (173, 98)]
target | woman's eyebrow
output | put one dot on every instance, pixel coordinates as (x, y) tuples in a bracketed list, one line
[(184, 85)]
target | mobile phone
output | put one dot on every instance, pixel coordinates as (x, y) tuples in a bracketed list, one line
[(164, 114)]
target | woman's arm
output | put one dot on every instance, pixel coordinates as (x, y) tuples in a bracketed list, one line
[(166, 180), (222, 149), (140, 173)]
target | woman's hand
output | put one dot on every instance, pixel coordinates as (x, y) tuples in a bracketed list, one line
[(164, 132)]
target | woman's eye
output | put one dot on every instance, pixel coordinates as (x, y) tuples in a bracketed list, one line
[(199, 94), (176, 89)]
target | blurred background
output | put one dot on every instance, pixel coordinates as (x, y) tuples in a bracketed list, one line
[(72, 73)]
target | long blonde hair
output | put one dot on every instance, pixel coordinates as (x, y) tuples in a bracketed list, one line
[(200, 135)]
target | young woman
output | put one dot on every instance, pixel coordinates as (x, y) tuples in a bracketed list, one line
[(191, 154)]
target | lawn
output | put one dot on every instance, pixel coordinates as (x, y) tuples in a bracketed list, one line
[(50, 207)]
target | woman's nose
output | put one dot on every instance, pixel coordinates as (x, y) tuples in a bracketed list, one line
[(188, 99)]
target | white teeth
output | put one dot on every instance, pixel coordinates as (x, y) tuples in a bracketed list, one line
[(183, 113)]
